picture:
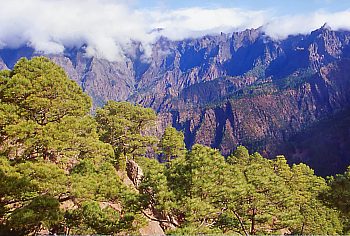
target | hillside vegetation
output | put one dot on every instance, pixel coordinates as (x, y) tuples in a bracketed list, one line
[(66, 171)]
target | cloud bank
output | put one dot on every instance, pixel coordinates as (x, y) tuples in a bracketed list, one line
[(109, 27), (281, 27)]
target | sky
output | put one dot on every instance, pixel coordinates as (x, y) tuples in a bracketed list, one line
[(109, 27), (281, 7)]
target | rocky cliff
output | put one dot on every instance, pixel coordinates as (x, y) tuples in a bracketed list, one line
[(228, 89), (266, 117)]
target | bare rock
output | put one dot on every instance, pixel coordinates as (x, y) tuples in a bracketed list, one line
[(134, 172), (152, 228)]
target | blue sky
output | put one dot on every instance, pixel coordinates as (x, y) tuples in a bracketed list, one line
[(281, 7)]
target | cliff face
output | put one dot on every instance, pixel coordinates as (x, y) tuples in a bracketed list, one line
[(267, 121), (101, 79), (225, 90)]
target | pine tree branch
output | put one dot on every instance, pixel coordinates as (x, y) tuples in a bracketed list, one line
[(159, 220)]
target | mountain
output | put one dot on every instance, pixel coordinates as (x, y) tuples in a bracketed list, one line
[(244, 88)]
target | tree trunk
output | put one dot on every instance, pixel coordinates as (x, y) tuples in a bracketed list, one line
[(302, 229), (241, 223), (252, 229)]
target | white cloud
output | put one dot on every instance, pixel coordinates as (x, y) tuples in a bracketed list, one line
[(281, 27), (194, 22), (109, 27)]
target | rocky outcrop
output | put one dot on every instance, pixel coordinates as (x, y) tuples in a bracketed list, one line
[(3, 65), (152, 228), (134, 172)]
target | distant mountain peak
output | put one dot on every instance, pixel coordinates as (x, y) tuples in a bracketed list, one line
[(326, 26)]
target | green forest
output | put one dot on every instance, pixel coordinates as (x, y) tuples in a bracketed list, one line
[(64, 169)]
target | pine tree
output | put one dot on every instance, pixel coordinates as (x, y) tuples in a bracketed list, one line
[(172, 144), (123, 125), (55, 172)]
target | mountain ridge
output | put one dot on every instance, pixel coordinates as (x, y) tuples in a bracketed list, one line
[(224, 90)]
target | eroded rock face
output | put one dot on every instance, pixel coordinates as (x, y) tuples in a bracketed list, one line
[(134, 172), (3, 65), (223, 90)]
